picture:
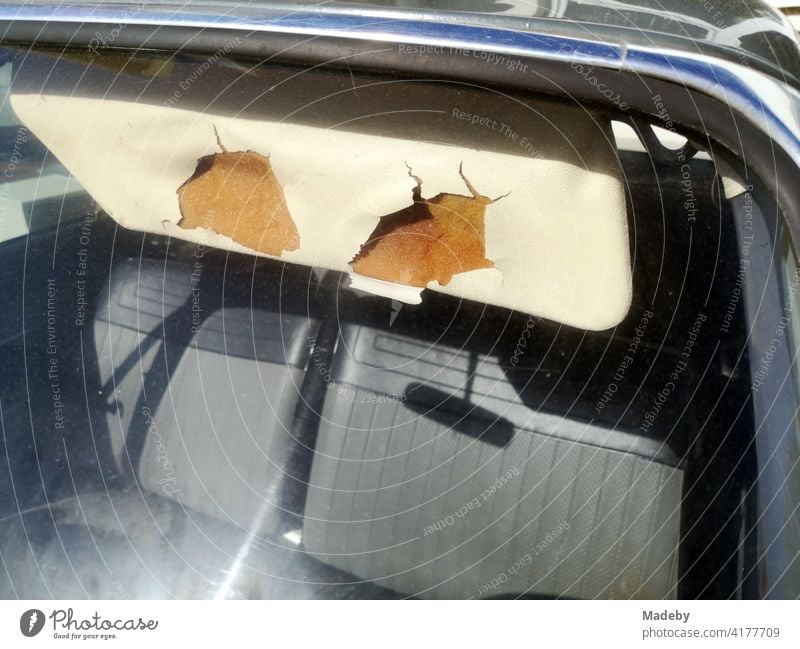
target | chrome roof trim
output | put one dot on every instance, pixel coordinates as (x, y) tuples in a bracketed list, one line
[(770, 105)]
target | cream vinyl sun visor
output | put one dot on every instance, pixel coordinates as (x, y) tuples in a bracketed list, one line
[(538, 225)]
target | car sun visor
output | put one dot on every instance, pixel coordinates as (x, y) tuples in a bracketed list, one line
[(539, 226)]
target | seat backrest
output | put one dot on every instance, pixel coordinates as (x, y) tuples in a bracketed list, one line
[(432, 478), (203, 380)]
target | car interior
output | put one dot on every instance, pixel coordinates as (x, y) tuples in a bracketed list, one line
[(183, 421)]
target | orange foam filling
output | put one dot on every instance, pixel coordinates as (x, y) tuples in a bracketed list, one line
[(432, 239), (237, 194)]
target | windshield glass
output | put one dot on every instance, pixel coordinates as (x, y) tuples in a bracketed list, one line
[(193, 408)]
